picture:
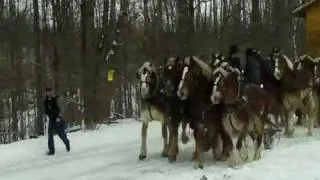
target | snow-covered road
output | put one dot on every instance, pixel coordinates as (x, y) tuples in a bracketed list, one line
[(112, 153)]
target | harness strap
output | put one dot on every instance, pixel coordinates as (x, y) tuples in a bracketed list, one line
[(233, 128), (149, 110)]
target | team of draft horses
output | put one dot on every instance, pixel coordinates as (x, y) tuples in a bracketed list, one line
[(224, 101)]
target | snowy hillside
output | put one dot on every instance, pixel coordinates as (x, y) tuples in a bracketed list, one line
[(112, 153)]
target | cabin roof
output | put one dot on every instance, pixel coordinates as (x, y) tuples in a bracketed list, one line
[(301, 10)]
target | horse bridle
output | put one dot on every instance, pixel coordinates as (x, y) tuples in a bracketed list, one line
[(216, 81), (149, 83), (233, 70), (276, 63)]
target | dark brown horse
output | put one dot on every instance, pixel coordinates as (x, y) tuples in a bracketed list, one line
[(171, 73), (153, 106), (194, 91), (239, 120)]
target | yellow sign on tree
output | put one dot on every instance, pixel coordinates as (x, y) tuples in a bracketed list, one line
[(110, 75)]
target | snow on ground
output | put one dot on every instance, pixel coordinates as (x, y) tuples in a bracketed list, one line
[(112, 153)]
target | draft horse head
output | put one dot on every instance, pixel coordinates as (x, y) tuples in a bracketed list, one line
[(195, 73), (148, 80), (226, 82), (281, 65), (171, 73), (310, 64)]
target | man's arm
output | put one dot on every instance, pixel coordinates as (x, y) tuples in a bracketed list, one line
[(60, 103), (45, 107)]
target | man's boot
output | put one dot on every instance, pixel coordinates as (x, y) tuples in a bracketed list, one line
[(68, 146), (50, 153)]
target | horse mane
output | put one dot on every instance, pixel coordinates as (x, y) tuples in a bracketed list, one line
[(289, 62), (317, 60), (205, 68), (221, 70), (307, 57), (149, 66), (224, 64), (236, 70)]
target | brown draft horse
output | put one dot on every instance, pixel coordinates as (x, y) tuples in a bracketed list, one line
[(152, 106), (239, 120), (171, 73), (194, 91), (296, 91), (312, 65)]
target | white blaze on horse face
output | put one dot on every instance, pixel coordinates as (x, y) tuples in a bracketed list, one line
[(144, 86), (216, 62), (215, 96), (185, 71), (299, 66), (317, 78), (276, 70)]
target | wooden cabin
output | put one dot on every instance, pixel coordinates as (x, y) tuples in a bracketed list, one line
[(310, 11)]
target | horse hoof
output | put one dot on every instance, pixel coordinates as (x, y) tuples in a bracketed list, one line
[(257, 156), (290, 135), (245, 158), (172, 159), (309, 134), (142, 157), (184, 139), (164, 154), (200, 166), (193, 157), (234, 161)]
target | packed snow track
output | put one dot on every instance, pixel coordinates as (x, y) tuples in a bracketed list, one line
[(112, 153)]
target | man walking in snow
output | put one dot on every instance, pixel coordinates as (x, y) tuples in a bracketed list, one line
[(53, 107)]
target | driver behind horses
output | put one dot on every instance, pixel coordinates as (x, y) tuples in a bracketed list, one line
[(275, 54), (253, 67), (236, 61)]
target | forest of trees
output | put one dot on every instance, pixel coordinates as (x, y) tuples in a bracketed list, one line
[(72, 44)]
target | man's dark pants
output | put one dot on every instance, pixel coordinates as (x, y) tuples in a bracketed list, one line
[(59, 128)]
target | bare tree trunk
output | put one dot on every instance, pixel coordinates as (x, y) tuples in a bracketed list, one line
[(256, 23), (166, 8), (182, 26), (215, 24), (276, 19), (107, 41), (89, 62), (39, 86), (1, 11)]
